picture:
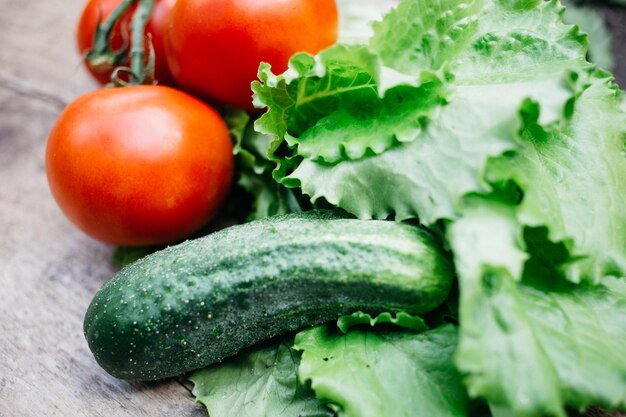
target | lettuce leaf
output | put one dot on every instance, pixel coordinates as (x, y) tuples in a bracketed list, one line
[(516, 253), (537, 344), (261, 383), (401, 319), (254, 171), (373, 373), (456, 68), (591, 22), (571, 173), (332, 107), (356, 18)]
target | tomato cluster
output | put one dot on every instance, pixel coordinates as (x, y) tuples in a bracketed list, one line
[(152, 164)]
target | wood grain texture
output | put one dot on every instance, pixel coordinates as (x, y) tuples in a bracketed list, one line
[(49, 271), (38, 51)]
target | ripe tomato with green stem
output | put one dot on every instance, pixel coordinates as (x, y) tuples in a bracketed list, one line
[(97, 11), (140, 165), (214, 47)]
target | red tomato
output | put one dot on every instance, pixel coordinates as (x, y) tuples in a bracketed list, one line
[(140, 165), (214, 47), (98, 10)]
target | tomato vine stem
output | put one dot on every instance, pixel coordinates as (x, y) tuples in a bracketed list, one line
[(102, 55), (137, 51)]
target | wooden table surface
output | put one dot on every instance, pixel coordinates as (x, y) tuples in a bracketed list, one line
[(49, 271)]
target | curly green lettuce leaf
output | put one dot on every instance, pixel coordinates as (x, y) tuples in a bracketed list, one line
[(517, 252), (521, 40), (421, 35), (356, 17), (270, 198), (254, 170), (332, 107), (480, 42), (373, 373), (249, 147), (591, 22), (262, 383), (538, 343), (471, 62), (426, 177), (573, 175), (401, 319)]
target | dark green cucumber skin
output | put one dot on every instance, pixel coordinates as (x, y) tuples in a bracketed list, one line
[(197, 303)]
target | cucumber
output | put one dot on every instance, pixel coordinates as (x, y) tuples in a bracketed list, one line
[(197, 303)]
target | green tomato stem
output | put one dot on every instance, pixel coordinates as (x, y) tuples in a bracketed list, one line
[(101, 46), (137, 50)]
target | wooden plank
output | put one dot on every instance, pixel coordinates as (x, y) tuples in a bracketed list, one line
[(50, 270), (49, 274), (37, 47)]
